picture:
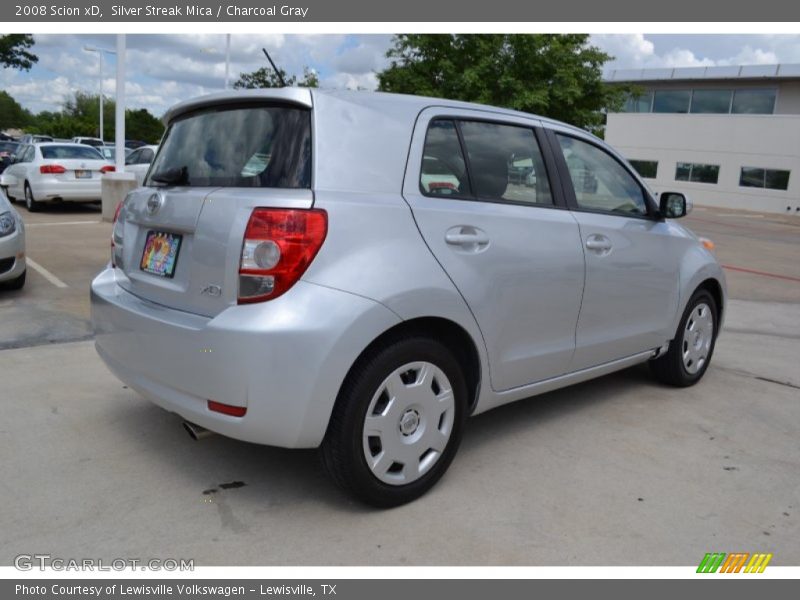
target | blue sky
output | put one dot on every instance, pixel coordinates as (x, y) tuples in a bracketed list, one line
[(165, 69)]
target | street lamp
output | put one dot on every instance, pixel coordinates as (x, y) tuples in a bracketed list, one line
[(100, 67)]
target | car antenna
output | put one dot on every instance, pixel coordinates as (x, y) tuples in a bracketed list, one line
[(274, 68)]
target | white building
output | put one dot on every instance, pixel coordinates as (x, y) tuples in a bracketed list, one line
[(726, 136)]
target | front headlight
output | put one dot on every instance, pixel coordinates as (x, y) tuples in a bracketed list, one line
[(8, 224)]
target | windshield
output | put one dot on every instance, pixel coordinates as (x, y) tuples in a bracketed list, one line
[(79, 152), (253, 146)]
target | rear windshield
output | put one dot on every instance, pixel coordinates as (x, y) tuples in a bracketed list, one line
[(252, 146), (79, 152)]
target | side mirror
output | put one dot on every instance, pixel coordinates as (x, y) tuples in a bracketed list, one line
[(7, 180), (674, 205)]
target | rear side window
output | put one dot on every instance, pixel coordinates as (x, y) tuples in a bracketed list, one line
[(66, 152), (503, 163), (251, 146)]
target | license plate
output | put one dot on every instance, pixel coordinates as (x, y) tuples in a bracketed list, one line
[(161, 253), (83, 174)]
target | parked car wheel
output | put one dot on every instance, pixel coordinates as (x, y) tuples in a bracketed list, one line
[(31, 203), (690, 351), (14, 284), (397, 422)]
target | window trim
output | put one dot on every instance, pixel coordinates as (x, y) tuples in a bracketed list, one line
[(558, 201), (653, 213)]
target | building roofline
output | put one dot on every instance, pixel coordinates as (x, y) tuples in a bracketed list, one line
[(717, 73)]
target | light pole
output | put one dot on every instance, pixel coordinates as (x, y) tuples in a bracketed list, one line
[(227, 57), (100, 68)]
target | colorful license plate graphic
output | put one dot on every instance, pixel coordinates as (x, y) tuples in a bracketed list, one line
[(161, 253), (82, 174)]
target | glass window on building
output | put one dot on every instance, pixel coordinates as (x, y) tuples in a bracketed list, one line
[(754, 102), (771, 179), (672, 101), (645, 168), (711, 101), (641, 103), (699, 173)]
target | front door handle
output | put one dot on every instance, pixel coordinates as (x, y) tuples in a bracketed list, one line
[(598, 243), (467, 237)]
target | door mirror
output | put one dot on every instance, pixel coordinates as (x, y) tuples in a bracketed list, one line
[(674, 205)]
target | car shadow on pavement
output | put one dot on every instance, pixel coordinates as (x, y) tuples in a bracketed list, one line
[(265, 478)]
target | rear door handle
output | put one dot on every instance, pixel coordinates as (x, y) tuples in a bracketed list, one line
[(467, 237), (598, 243)]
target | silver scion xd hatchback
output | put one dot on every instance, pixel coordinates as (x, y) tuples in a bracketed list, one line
[(360, 272)]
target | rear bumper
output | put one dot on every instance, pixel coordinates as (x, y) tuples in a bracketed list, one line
[(284, 360), (75, 190), (12, 255)]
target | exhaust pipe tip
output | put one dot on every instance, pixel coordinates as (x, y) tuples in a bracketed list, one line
[(196, 432)]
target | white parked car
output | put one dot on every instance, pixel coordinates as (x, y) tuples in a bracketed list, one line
[(12, 247), (89, 141), (55, 171), (138, 162)]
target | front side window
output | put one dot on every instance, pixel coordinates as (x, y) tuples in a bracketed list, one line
[(600, 182), (771, 179), (251, 146), (699, 173)]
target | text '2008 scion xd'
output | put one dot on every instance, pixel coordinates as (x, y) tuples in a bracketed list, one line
[(360, 272)]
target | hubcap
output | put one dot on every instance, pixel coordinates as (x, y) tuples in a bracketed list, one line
[(697, 337), (408, 423)]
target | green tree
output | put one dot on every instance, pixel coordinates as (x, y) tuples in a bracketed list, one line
[(14, 51), (558, 76), (11, 113), (140, 124), (266, 77)]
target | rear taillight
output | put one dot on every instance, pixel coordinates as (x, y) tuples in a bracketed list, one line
[(52, 170), (108, 169), (227, 409), (278, 246), (116, 238)]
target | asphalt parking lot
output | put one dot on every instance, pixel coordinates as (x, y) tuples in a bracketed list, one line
[(618, 471)]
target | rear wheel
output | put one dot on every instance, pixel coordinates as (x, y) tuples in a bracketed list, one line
[(31, 203), (690, 351), (397, 422)]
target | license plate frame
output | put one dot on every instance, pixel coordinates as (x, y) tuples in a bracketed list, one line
[(160, 253)]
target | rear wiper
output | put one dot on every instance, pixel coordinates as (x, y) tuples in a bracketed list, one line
[(174, 176)]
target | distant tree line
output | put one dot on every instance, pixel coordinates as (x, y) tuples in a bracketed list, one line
[(80, 116)]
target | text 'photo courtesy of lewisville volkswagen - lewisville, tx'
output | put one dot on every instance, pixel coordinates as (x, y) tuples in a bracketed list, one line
[(397, 300)]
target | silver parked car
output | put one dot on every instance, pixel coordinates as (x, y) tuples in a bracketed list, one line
[(291, 274), (12, 246), (54, 171)]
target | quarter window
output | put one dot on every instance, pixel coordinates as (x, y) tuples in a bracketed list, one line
[(696, 172), (444, 171), (771, 179), (600, 182)]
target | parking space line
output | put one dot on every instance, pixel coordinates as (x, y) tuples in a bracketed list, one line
[(762, 273), (62, 223), (45, 273)]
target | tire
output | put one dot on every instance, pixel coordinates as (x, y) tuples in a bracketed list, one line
[(30, 202), (14, 284), (690, 352), (408, 443)]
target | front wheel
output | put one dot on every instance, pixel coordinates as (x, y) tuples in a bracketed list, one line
[(397, 422), (690, 351)]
